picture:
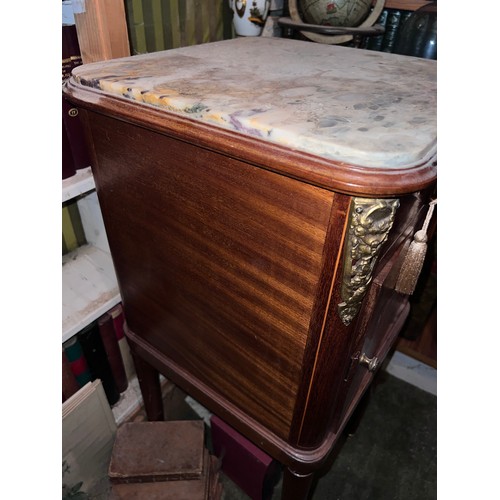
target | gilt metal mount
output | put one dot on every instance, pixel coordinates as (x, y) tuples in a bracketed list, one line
[(370, 221)]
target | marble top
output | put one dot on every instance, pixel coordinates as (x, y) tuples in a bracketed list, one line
[(361, 107)]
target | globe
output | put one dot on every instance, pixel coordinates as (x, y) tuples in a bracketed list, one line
[(335, 13)]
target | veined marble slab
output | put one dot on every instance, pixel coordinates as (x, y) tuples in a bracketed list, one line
[(361, 107)]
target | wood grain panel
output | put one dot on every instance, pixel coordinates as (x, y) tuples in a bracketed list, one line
[(218, 262), (102, 30)]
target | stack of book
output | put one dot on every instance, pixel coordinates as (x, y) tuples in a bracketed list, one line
[(163, 460), (99, 351), (406, 32)]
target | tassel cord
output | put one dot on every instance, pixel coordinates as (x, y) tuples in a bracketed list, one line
[(414, 259)]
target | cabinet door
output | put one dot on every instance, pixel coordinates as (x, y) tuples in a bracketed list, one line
[(384, 311), (383, 316)]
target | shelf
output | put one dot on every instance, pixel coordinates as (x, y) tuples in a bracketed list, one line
[(89, 288), (405, 4), (80, 183), (129, 403)]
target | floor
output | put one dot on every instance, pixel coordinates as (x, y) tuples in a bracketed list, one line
[(391, 456)]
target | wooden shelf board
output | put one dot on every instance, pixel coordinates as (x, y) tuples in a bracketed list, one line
[(89, 288), (130, 402), (405, 4), (77, 184)]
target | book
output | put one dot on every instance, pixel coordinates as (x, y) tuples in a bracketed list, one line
[(69, 239), (118, 322), (174, 462), (375, 42), (73, 232), (75, 134), (418, 34), (426, 46), (69, 383), (97, 360), (71, 58), (206, 487), (391, 30), (77, 361), (68, 164), (88, 433), (254, 471), (110, 342), (71, 54), (175, 452)]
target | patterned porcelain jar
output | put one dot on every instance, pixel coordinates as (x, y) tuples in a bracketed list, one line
[(249, 16)]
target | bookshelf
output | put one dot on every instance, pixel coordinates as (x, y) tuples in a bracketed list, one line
[(89, 286), (80, 183)]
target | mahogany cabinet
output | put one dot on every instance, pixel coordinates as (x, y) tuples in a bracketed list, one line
[(259, 196)]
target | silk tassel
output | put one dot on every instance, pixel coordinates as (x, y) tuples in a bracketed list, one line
[(414, 258)]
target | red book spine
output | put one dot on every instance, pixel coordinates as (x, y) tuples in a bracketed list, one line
[(68, 164), (77, 361), (71, 55), (71, 58), (69, 382), (108, 336), (75, 134), (118, 321)]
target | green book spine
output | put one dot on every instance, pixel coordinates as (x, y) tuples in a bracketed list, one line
[(70, 242), (375, 42), (73, 233), (428, 47), (391, 29), (77, 361), (76, 221)]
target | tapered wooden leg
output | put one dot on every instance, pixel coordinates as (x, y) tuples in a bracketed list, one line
[(296, 486), (149, 382)]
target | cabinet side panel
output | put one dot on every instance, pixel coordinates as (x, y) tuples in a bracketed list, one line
[(218, 262)]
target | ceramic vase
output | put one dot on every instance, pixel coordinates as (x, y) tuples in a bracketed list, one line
[(249, 16)]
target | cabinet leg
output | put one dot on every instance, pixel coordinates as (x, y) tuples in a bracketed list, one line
[(149, 382), (296, 486)]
